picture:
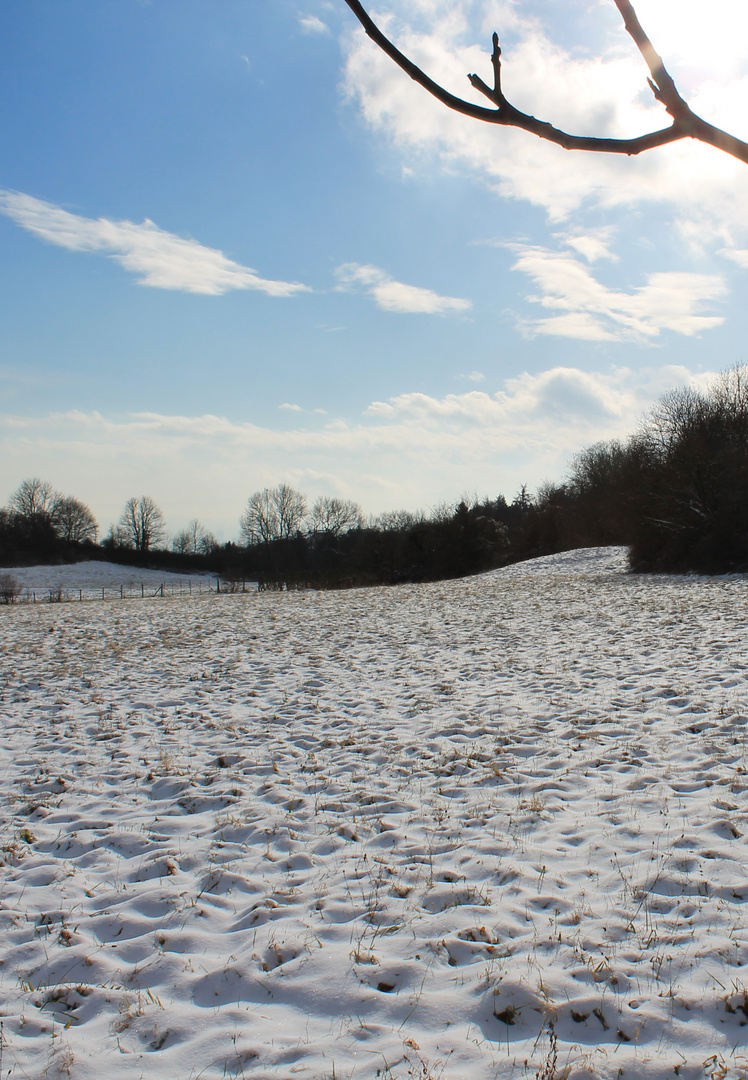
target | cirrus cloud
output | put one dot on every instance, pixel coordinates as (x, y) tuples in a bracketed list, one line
[(311, 24), (391, 295), (162, 259), (588, 309)]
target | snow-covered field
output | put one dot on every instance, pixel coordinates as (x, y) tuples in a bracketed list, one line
[(94, 580), (433, 831)]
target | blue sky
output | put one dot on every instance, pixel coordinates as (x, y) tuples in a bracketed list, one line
[(240, 247)]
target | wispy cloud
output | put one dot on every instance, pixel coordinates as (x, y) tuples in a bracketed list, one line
[(311, 24), (589, 310), (591, 244), (737, 255), (391, 295), (161, 259)]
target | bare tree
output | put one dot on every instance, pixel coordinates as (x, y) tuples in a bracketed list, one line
[(272, 514), (259, 522), (685, 123), (32, 497), (10, 588), (333, 516), (73, 520), (141, 524), (194, 540), (398, 520), (291, 507), (117, 537)]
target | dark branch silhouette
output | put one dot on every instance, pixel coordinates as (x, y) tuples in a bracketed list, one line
[(685, 123)]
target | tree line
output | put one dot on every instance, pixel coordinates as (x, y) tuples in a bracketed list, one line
[(283, 538), (675, 492)]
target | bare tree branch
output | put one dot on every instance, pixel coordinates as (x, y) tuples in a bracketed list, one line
[(661, 83), (686, 124)]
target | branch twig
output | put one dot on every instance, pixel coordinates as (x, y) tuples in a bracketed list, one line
[(685, 123)]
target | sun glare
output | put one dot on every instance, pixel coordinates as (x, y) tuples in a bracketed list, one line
[(685, 33)]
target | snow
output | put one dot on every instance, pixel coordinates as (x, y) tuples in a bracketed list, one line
[(425, 831), (85, 574), (85, 580)]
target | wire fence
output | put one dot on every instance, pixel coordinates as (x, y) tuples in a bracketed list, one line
[(15, 593)]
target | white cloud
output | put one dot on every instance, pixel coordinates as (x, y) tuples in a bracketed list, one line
[(738, 255), (592, 311), (292, 408), (310, 24), (161, 259), (395, 296), (592, 244), (708, 46), (413, 450), (562, 404)]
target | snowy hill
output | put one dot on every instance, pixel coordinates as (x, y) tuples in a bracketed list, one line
[(96, 580), (91, 574)]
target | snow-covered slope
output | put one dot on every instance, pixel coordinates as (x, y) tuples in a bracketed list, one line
[(429, 831), (86, 574), (98, 580), (593, 560)]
